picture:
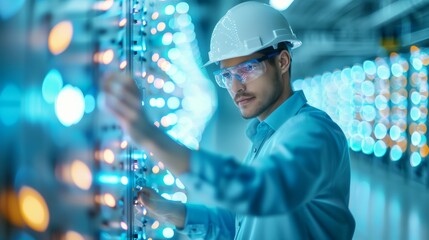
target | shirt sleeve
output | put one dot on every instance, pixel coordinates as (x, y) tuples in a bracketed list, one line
[(300, 163), (208, 223)]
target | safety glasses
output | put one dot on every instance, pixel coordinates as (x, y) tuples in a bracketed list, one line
[(243, 72)]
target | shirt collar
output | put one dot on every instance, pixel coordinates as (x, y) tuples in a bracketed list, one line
[(284, 112)]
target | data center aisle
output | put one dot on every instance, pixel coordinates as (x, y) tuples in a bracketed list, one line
[(386, 205)]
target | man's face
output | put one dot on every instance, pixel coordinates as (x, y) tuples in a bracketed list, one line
[(260, 96)]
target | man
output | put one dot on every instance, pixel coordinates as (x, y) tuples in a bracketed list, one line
[(293, 184)]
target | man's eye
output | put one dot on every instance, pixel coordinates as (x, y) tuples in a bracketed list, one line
[(247, 68), (226, 75)]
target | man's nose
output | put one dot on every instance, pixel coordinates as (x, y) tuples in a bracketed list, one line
[(237, 83)]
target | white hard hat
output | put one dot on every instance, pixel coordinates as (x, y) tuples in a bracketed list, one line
[(248, 28)]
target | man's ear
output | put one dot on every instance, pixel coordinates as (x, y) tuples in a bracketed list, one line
[(284, 61)]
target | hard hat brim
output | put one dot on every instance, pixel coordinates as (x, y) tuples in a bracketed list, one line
[(295, 44)]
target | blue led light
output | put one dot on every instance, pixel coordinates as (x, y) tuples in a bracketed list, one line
[(166, 196), (174, 53), (182, 7), (395, 153), (179, 184), (169, 10), (124, 180), (184, 20), (52, 85), (160, 102), (368, 145), (168, 179), (326, 78), (368, 113), (380, 131), (423, 140), (416, 138), (179, 196), (355, 143), (395, 132), (167, 39), (70, 105), (380, 102), (367, 88), (297, 84), (415, 159), (336, 77), (370, 67), (415, 113), (352, 127), (173, 103), (89, 103), (108, 179), (346, 75), (417, 63), (172, 118), (168, 232), (383, 72), (365, 129), (10, 105), (396, 98), (169, 87), (397, 69), (179, 38), (152, 102), (380, 148), (416, 98), (357, 73)]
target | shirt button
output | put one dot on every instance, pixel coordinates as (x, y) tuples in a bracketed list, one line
[(254, 150)]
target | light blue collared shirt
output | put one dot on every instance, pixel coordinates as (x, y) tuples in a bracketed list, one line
[(293, 184)]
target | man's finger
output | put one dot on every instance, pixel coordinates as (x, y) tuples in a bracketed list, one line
[(125, 87), (119, 108)]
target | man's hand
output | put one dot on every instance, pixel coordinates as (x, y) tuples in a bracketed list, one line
[(124, 100), (162, 209)]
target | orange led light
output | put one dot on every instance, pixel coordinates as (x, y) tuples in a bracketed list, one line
[(9, 208), (34, 209), (161, 165), (81, 175), (72, 235), (124, 226), (155, 15), (155, 169), (103, 6), (165, 121), (122, 22), (155, 225), (109, 200), (124, 144), (424, 150), (161, 26), (150, 79), (108, 156), (60, 37), (108, 56), (155, 57), (414, 48), (123, 65), (159, 83)]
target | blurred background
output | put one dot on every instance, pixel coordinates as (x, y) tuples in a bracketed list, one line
[(67, 171)]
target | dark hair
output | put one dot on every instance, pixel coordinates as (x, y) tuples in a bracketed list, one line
[(280, 47)]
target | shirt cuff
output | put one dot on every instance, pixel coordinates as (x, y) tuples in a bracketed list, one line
[(196, 221)]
